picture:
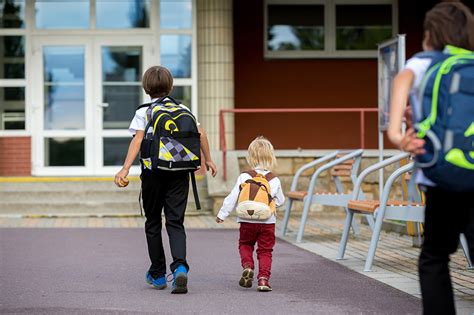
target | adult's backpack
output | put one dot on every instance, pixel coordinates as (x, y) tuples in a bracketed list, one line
[(172, 140), (255, 200), (447, 119)]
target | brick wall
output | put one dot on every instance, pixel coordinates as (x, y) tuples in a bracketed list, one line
[(15, 156)]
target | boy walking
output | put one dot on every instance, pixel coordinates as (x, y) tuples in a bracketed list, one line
[(163, 189), (448, 35)]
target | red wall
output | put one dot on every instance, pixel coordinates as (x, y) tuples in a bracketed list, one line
[(277, 83), (15, 156)]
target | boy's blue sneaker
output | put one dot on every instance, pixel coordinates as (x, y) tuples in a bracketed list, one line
[(180, 280), (158, 283)]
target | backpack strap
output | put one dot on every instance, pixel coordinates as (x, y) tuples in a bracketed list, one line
[(269, 176), (143, 105), (252, 173), (435, 56), (195, 190), (159, 101)]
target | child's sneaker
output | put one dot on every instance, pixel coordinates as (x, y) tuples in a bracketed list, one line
[(247, 278), (158, 283), (263, 285), (180, 280)]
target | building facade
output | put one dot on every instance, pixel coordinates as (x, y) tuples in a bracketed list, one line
[(70, 72)]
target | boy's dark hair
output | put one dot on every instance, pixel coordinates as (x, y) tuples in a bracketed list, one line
[(157, 81), (450, 23)]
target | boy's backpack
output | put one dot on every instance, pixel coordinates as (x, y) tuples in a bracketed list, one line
[(172, 140), (447, 119), (255, 200)]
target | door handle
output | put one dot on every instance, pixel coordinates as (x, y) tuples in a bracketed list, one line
[(103, 105)]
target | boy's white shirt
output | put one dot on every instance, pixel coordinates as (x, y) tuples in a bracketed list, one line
[(418, 67), (230, 202), (139, 120)]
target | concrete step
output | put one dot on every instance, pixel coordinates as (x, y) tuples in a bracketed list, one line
[(89, 197), (86, 208), (122, 195)]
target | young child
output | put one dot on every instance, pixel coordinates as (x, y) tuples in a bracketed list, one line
[(162, 190), (447, 213), (262, 160)]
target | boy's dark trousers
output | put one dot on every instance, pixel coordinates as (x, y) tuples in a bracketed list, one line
[(166, 190), (447, 215)]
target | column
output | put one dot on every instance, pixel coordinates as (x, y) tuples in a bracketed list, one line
[(215, 68)]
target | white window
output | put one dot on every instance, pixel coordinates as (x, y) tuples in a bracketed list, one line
[(328, 28)]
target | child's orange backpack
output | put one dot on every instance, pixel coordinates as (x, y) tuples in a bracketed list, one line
[(255, 199)]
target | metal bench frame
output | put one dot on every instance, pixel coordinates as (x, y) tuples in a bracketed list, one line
[(340, 198), (413, 211)]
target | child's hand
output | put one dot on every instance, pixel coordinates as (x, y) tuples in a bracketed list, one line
[(218, 220), (121, 178), (210, 165), (411, 143)]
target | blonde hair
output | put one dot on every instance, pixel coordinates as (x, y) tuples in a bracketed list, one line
[(260, 154)]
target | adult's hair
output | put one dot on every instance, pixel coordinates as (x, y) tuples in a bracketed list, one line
[(450, 23), (157, 81)]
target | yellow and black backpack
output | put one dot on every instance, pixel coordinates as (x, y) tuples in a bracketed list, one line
[(255, 200), (172, 140)]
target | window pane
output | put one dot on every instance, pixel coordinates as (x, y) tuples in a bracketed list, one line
[(123, 13), (115, 150), (176, 54), (362, 27), (12, 57), (295, 27), (12, 13), (64, 152), (60, 14), (121, 87), (122, 102), (182, 94), (121, 64), (64, 100), (12, 108), (176, 14)]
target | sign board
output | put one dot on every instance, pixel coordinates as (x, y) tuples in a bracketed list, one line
[(391, 59)]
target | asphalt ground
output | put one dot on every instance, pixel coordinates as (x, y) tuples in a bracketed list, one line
[(102, 271)]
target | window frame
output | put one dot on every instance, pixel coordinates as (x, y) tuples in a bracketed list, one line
[(330, 50)]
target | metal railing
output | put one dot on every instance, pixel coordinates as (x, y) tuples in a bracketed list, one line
[(223, 144)]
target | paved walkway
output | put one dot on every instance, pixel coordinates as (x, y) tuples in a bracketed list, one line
[(395, 262), (90, 271)]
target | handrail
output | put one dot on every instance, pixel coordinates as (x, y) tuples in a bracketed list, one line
[(223, 144)]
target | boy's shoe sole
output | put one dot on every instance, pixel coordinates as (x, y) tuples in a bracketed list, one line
[(264, 288), (180, 284), (247, 278)]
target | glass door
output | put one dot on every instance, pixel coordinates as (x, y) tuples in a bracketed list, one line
[(120, 67), (86, 92), (62, 92)]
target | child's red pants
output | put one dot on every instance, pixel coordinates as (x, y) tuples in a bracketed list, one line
[(264, 236)]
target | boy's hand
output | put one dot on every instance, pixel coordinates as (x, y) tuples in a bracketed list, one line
[(120, 178), (211, 166), (218, 220), (411, 143)]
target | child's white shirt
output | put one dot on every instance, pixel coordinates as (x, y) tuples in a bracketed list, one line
[(230, 202), (418, 66), (139, 120)]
